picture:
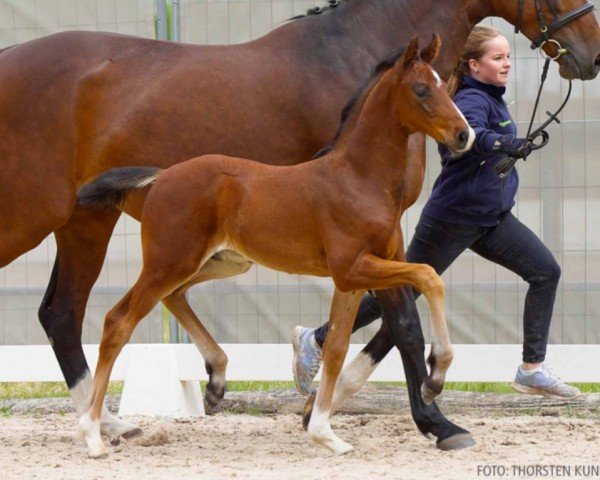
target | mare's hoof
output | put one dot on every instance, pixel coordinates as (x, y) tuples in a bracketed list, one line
[(456, 442)]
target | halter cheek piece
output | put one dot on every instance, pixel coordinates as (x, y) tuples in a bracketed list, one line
[(503, 167)]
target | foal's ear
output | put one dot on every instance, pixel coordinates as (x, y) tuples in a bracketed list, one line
[(410, 54), (431, 51)]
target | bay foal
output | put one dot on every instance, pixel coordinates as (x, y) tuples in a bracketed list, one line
[(304, 219)]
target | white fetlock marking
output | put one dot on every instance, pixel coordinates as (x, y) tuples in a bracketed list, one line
[(321, 433), (110, 425), (80, 393), (352, 379), (444, 357), (89, 429)]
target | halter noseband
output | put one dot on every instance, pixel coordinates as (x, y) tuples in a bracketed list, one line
[(558, 22)]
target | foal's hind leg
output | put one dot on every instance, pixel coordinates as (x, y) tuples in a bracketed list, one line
[(222, 265), (119, 324), (215, 358), (318, 409), (165, 270)]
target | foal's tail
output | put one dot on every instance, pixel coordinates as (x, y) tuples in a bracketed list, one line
[(110, 188)]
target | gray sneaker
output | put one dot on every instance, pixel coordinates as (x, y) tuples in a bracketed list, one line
[(544, 382), (307, 358)]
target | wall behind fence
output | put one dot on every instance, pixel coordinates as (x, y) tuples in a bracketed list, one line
[(559, 200)]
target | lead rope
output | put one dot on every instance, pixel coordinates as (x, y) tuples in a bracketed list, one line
[(503, 167)]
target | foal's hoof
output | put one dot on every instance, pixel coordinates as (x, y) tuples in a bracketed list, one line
[(212, 399), (134, 432), (114, 428), (456, 442), (98, 456), (127, 435), (429, 390)]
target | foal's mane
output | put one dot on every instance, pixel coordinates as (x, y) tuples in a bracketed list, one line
[(358, 95)]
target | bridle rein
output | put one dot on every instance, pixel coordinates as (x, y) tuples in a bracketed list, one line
[(504, 166)]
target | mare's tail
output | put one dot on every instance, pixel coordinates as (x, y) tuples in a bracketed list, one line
[(110, 188)]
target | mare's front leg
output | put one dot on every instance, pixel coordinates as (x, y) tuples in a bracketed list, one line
[(318, 408), (81, 248), (401, 325)]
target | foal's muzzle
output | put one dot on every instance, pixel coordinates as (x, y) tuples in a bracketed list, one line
[(464, 140)]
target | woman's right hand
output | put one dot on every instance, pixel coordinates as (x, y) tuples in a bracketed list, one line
[(513, 146)]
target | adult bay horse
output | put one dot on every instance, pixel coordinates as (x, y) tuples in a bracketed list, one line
[(75, 104), (341, 219)]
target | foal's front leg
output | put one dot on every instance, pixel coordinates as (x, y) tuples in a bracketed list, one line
[(373, 272), (318, 410)]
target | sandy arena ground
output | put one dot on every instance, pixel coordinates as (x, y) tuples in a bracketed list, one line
[(265, 447)]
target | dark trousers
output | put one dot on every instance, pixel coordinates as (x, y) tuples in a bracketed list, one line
[(510, 244)]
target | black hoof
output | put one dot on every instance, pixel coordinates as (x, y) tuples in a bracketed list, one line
[(212, 398), (307, 412), (132, 433), (456, 442)]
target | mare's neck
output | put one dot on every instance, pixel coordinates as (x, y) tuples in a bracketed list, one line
[(353, 37)]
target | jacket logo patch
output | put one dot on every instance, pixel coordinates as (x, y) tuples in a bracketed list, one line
[(506, 123)]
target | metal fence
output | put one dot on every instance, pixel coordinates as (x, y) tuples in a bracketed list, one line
[(559, 199)]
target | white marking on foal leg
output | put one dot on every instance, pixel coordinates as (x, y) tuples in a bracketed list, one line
[(321, 433), (352, 379), (89, 429), (110, 426)]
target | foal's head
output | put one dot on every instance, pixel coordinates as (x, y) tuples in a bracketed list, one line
[(422, 102)]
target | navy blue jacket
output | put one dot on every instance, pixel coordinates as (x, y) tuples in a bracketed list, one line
[(468, 192)]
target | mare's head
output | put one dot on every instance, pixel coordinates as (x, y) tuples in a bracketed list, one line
[(422, 102), (571, 24)]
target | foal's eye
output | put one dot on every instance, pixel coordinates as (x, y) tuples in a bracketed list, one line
[(421, 91)]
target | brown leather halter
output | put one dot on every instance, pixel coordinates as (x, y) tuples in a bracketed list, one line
[(559, 22)]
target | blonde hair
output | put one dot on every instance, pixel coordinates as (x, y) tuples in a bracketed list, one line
[(474, 50)]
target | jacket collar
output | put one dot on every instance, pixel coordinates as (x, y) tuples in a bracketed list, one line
[(492, 90)]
